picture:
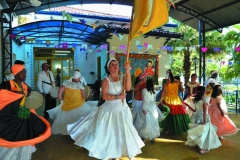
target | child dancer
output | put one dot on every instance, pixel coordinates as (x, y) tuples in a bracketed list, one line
[(218, 113), (203, 136), (148, 116)]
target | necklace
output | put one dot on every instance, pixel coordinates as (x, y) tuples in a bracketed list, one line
[(114, 84)]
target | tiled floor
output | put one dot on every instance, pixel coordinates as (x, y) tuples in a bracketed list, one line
[(166, 147)]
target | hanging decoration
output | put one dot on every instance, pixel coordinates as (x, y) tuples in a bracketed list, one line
[(237, 49), (204, 49), (104, 46), (216, 49), (64, 45), (82, 21), (138, 42), (48, 43)]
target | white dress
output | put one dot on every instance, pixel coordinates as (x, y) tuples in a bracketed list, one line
[(62, 118), (19, 153), (204, 136), (108, 131), (148, 125)]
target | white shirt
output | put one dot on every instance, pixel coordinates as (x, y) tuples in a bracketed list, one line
[(44, 87), (83, 80)]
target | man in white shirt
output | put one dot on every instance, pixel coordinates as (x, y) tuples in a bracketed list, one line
[(44, 84)]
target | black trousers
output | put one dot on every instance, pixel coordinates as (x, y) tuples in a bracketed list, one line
[(50, 103)]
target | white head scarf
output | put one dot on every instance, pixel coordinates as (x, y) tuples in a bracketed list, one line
[(112, 59), (76, 75)]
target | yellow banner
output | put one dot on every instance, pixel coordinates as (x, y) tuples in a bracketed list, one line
[(148, 15)]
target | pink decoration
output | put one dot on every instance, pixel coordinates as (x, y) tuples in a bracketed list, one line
[(216, 49), (112, 52), (122, 47), (237, 49), (23, 38), (145, 45), (204, 49), (104, 46), (12, 36), (99, 50)]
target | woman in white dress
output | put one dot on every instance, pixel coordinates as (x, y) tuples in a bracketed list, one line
[(72, 105), (203, 135), (108, 132), (148, 116)]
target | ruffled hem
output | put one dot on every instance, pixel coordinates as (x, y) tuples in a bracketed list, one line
[(39, 139), (107, 134), (175, 109), (20, 153), (176, 124)]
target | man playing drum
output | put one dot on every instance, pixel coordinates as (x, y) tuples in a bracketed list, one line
[(20, 128), (44, 84), (72, 105)]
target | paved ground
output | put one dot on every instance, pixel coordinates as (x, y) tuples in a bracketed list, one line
[(166, 147)]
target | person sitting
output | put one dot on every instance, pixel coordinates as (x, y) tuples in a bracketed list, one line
[(72, 105), (20, 128)]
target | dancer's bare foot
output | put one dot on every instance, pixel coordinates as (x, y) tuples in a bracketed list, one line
[(221, 137)]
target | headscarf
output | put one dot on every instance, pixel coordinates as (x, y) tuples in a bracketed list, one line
[(16, 68), (76, 75), (112, 59)]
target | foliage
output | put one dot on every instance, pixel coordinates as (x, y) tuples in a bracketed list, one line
[(232, 40)]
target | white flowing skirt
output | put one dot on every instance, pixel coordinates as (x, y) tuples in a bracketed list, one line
[(62, 118), (107, 132), (204, 136), (136, 105), (19, 153), (148, 125), (189, 101)]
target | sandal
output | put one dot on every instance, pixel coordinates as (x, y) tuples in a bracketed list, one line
[(203, 151)]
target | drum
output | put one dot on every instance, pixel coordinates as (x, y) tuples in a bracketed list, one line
[(88, 92), (54, 92), (34, 101)]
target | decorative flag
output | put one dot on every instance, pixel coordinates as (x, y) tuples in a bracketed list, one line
[(112, 52), (138, 42), (82, 21), (216, 49), (122, 47), (104, 46), (113, 47), (63, 14), (99, 50), (204, 49), (179, 48), (69, 17), (90, 50), (120, 36), (48, 43), (150, 46), (237, 49), (74, 45), (94, 26), (94, 46), (23, 38), (115, 32), (145, 44), (64, 45), (139, 47), (148, 15), (12, 36)]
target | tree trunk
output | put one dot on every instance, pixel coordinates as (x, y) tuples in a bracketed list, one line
[(186, 65)]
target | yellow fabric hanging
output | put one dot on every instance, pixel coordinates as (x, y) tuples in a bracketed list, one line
[(72, 99), (148, 15)]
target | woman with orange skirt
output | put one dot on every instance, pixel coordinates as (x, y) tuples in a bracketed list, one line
[(20, 128), (177, 121)]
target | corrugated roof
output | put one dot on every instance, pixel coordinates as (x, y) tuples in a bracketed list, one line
[(216, 14)]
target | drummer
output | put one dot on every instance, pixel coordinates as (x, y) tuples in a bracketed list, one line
[(44, 84), (72, 105), (20, 128)]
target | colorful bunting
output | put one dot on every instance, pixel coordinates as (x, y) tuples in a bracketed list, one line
[(122, 47), (237, 49), (99, 50), (94, 46), (145, 45), (150, 46), (139, 47), (82, 21), (115, 32), (104, 46), (48, 43), (138, 42), (112, 52), (113, 47), (74, 45), (64, 45), (216, 49), (120, 37), (204, 49), (12, 36), (69, 17)]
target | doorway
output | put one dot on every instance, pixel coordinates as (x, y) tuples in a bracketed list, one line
[(62, 60), (99, 68)]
